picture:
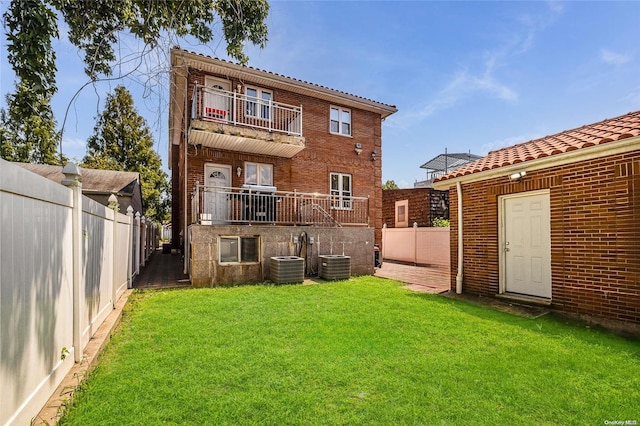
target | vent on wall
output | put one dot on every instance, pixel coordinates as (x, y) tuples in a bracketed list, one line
[(335, 267), (287, 269)]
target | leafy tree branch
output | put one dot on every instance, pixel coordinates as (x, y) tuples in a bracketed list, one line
[(95, 27)]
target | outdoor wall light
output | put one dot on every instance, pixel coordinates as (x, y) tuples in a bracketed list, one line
[(358, 148), (517, 177), (373, 155), (239, 171)]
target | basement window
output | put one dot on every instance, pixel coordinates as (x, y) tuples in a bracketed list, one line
[(237, 249)]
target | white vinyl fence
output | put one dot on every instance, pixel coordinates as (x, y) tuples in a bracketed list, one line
[(421, 246), (64, 262)]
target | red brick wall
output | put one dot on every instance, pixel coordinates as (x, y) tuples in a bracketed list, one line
[(595, 235), (425, 204), (309, 170), (175, 199)]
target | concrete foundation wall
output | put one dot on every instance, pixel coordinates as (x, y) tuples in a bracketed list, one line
[(206, 270)]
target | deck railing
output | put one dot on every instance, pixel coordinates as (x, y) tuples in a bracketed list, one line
[(221, 205), (241, 110)]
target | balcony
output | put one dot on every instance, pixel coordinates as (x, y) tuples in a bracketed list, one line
[(236, 122), (267, 206)]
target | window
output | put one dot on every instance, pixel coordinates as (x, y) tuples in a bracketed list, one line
[(402, 214), (238, 249), (258, 174), (259, 103), (340, 121), (340, 191)]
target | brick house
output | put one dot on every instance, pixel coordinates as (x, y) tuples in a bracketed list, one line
[(401, 208), (266, 165), (553, 221)]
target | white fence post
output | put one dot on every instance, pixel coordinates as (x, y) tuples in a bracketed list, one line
[(384, 237), (113, 204), (72, 179), (415, 243), (130, 248), (143, 240), (137, 239)]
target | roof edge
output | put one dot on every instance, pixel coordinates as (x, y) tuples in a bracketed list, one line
[(385, 109), (589, 153)]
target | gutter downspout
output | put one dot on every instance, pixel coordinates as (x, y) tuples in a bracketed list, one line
[(185, 226), (460, 239)]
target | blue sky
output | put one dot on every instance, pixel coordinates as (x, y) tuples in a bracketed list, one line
[(465, 76)]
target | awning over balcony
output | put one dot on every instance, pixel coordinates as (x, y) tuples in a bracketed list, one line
[(241, 139)]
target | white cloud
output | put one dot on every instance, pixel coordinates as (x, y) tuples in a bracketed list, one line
[(614, 58), (464, 84), (556, 7), (534, 24)]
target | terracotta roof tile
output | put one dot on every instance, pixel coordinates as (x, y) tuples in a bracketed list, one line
[(612, 129)]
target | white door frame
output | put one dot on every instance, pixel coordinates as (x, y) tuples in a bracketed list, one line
[(220, 166), (502, 281), (210, 81), (218, 103)]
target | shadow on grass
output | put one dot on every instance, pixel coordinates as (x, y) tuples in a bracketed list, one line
[(551, 325)]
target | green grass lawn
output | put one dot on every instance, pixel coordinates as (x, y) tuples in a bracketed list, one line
[(363, 351)]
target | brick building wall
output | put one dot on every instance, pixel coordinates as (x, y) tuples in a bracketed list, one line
[(309, 170), (425, 204), (175, 199), (595, 235)]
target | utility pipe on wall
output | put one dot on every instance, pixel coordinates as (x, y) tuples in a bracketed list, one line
[(460, 239), (185, 225)]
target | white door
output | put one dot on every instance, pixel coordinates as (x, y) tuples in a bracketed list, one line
[(217, 99), (527, 245), (217, 180)]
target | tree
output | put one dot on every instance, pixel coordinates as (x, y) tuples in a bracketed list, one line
[(390, 184), (28, 129), (94, 27), (122, 141), (440, 222)]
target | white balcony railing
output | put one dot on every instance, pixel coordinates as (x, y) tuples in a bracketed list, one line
[(220, 205), (241, 110)]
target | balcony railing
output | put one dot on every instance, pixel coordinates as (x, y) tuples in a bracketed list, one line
[(264, 205), (241, 110)]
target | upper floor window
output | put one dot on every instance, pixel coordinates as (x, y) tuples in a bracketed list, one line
[(258, 174), (341, 191), (340, 121), (258, 103)]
